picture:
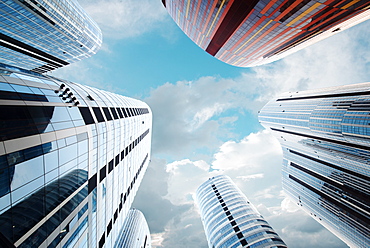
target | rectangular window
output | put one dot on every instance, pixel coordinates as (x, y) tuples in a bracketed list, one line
[(124, 112), (92, 183), (113, 110), (119, 112), (103, 173), (110, 166), (107, 114), (98, 114), (86, 115)]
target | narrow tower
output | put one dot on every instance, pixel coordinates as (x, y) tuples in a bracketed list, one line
[(229, 219)]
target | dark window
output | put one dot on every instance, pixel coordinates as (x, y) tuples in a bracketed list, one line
[(115, 216), (103, 172), (243, 242), (128, 112), (236, 229), (107, 114), (124, 112), (124, 198), (233, 223), (110, 166), (102, 241), (98, 114), (240, 235), (230, 217), (117, 160), (120, 206), (223, 204), (226, 208), (227, 213), (119, 112), (113, 110), (122, 154), (126, 151), (109, 227), (86, 115), (92, 183)]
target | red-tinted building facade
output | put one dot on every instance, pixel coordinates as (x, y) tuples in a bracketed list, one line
[(254, 32)]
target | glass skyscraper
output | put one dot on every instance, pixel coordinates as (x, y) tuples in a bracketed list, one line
[(325, 135), (44, 35), (229, 219), (71, 160), (255, 32), (135, 231)]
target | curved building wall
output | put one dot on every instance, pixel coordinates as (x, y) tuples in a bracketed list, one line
[(42, 35), (250, 33), (135, 231), (72, 158), (229, 219), (326, 147)]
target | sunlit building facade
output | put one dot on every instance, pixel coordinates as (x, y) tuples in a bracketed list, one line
[(135, 231), (249, 33), (229, 219), (71, 160), (45, 35), (326, 147)]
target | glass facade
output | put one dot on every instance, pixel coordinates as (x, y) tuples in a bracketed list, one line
[(229, 219), (135, 231), (325, 139), (71, 160), (41, 35), (256, 32)]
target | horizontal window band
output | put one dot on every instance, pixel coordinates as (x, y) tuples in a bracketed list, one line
[(30, 51), (366, 148), (350, 191), (362, 93), (359, 215), (352, 173)]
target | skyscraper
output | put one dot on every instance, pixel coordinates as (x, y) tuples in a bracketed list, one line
[(256, 32), (135, 231), (326, 147), (45, 35), (229, 219), (71, 160)]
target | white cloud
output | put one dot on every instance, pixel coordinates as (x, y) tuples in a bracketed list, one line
[(125, 18), (249, 177)]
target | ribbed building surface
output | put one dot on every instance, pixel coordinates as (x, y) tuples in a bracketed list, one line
[(229, 219), (255, 32), (41, 35), (135, 232), (71, 160), (325, 139)]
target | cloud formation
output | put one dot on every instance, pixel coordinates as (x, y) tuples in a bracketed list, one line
[(125, 18)]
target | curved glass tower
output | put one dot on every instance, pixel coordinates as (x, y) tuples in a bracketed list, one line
[(45, 35), (72, 158), (325, 136), (255, 32), (229, 219), (135, 231)]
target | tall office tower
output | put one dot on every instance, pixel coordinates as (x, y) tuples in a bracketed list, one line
[(71, 160), (45, 35), (255, 32), (325, 139), (135, 231), (229, 219)]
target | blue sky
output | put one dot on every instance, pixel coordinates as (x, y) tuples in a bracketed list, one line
[(205, 115)]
